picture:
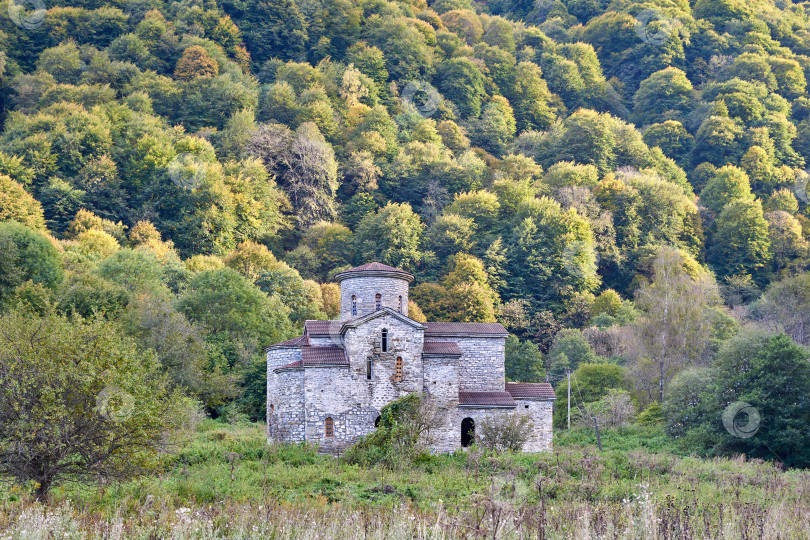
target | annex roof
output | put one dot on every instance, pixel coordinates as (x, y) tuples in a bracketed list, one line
[(530, 390), (322, 328), (317, 357), (300, 341), (485, 399), (441, 348), (465, 329)]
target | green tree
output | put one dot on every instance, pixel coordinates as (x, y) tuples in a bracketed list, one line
[(729, 184), (18, 205), (664, 95), (460, 81), (741, 242), (524, 361), (26, 255), (98, 408), (392, 236), (228, 304), (589, 384), (674, 329)]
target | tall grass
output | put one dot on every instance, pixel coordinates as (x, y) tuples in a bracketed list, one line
[(228, 483)]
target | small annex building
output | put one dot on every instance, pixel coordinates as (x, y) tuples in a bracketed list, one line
[(327, 387)]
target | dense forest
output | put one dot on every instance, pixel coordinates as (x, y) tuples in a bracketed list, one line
[(621, 184)]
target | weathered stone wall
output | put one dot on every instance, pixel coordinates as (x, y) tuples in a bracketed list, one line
[(331, 393), (540, 412), (287, 420), (404, 341), (441, 384), (481, 367), (366, 289), (277, 392), (480, 414)]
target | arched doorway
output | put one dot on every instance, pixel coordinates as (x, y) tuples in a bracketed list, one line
[(467, 432), (377, 421)]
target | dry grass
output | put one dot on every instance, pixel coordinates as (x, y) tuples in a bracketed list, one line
[(291, 492)]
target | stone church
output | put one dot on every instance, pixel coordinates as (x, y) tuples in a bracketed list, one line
[(327, 387)]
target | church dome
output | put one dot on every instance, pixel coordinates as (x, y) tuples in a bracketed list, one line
[(373, 286)]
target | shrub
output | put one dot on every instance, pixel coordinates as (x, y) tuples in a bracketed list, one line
[(509, 434), (405, 433)]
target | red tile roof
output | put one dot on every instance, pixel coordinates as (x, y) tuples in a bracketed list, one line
[(318, 356), (448, 328), (449, 348), (300, 341), (530, 390), (324, 356), (485, 399), (322, 328), (298, 364)]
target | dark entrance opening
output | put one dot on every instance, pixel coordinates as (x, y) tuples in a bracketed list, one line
[(377, 422), (467, 432)]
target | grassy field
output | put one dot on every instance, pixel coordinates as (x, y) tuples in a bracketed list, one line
[(227, 483)]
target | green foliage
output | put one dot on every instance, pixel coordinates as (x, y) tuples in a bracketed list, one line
[(226, 303), (733, 408), (524, 361), (95, 382), (26, 255), (589, 384), (402, 436)]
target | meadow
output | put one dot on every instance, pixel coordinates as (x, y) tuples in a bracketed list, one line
[(226, 482)]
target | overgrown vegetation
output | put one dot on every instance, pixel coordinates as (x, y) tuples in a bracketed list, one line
[(622, 185), (228, 483)]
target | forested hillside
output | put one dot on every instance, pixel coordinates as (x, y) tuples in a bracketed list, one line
[(620, 184)]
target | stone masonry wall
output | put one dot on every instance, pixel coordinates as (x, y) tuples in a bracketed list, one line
[(481, 367), (277, 391), (363, 343), (540, 412), (366, 289), (441, 384), (287, 421), (330, 393)]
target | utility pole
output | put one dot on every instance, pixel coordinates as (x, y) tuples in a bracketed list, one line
[(568, 371)]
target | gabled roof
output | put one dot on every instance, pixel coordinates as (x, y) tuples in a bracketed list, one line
[(485, 399), (530, 390), (465, 329), (353, 323), (374, 269), (440, 348), (324, 356), (294, 343), (322, 328), (318, 357)]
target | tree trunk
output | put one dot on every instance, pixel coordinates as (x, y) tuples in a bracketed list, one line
[(598, 438), (41, 493), (661, 379)]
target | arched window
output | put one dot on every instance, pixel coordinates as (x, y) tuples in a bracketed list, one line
[(467, 432), (400, 304), (399, 369), (354, 306), (369, 363), (384, 340), (378, 301), (330, 427)]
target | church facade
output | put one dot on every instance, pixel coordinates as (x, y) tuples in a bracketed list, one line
[(327, 387)]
